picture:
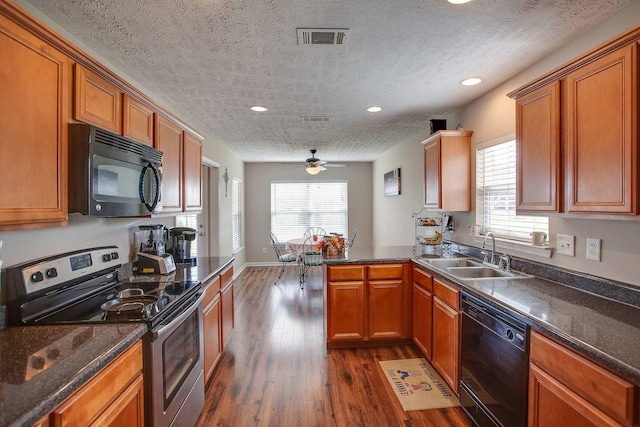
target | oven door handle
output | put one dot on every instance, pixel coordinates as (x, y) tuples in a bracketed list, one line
[(176, 322)]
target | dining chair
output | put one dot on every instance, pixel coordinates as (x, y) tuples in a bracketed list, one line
[(352, 238), (311, 256), (315, 232), (283, 256)]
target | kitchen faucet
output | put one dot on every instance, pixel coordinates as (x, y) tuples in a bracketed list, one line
[(493, 248)]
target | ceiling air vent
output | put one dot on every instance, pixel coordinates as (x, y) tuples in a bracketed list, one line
[(308, 36), (315, 118)]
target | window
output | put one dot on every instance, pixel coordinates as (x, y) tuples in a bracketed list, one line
[(496, 193), (236, 214), (191, 221), (296, 206)]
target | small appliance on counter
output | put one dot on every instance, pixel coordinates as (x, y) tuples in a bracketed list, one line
[(154, 264), (180, 239), (153, 239)]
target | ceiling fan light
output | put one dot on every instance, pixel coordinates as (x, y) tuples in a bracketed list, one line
[(313, 170)]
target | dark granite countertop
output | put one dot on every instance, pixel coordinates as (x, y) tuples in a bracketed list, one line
[(601, 329), (40, 366), (203, 269), (377, 255)]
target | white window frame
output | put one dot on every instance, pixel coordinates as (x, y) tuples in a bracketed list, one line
[(236, 215), (334, 216), (510, 230)]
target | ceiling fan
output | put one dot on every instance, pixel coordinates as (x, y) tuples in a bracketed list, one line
[(314, 165)]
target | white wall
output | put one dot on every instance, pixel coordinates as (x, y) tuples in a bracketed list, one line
[(258, 202), (492, 116)]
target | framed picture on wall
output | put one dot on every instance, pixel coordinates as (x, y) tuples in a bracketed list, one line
[(392, 183)]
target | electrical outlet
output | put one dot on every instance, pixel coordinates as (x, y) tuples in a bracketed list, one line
[(593, 248), (264, 250), (566, 245)]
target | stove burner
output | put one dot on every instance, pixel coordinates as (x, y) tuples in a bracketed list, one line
[(133, 303)]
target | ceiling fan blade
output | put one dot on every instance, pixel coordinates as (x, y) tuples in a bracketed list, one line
[(322, 168)]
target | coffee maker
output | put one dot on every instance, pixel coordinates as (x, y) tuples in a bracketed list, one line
[(152, 257), (180, 239)]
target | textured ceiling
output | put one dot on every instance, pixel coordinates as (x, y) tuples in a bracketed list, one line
[(208, 61)]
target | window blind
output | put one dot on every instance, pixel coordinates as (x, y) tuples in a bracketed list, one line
[(236, 214), (298, 205), (496, 194)]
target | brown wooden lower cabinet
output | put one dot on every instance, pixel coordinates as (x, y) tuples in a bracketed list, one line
[(567, 390), (368, 303), (227, 305), (422, 311), (446, 331), (211, 327), (114, 397)]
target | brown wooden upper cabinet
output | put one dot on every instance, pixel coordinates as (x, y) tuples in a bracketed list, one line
[(447, 170), (192, 172), (137, 120), (538, 150), (576, 134), (168, 139), (34, 94), (96, 100), (181, 166)]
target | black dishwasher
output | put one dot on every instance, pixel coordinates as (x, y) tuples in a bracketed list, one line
[(494, 365)]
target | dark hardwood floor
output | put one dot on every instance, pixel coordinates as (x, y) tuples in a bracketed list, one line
[(276, 370)]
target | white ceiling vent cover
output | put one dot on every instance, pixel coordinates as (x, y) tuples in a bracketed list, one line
[(309, 36)]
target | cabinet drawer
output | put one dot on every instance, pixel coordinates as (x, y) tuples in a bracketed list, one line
[(211, 288), (225, 276), (606, 391), (385, 271), (447, 292), (345, 273), (423, 279)]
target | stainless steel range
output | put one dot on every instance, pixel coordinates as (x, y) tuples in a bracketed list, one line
[(83, 287)]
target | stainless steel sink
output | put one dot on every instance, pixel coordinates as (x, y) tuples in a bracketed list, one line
[(454, 262), (481, 272)]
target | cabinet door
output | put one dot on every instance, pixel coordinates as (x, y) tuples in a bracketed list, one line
[(97, 101), (169, 140), (137, 120), (446, 343), (552, 404), (602, 155), (422, 319), (432, 175), (113, 397), (192, 172), (538, 170), (385, 309), (345, 310), (33, 130), (211, 332), (227, 309)]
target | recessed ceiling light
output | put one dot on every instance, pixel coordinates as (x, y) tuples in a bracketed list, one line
[(374, 109), (471, 81), (259, 108), (458, 1)]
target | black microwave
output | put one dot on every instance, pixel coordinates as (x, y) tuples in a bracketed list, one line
[(112, 176)]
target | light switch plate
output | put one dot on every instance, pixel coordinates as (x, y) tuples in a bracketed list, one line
[(566, 245)]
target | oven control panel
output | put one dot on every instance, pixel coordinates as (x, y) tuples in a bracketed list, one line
[(54, 272)]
